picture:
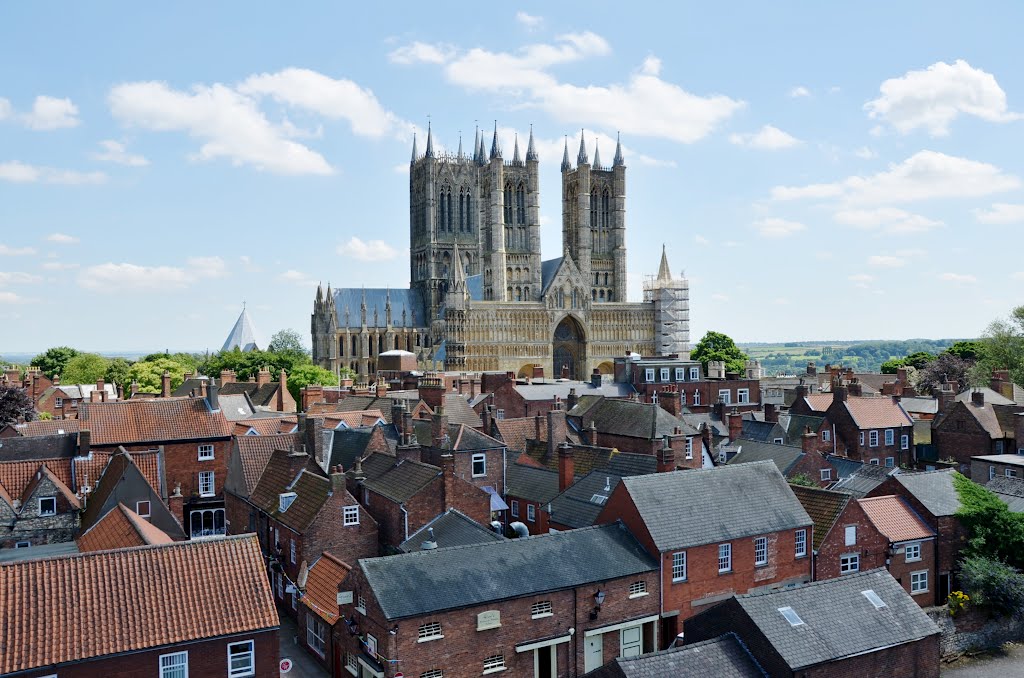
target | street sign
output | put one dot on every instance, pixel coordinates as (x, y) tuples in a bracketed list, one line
[(286, 665)]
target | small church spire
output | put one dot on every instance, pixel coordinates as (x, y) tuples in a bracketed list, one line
[(430, 141), (413, 147), (531, 150), (482, 154), (515, 151), (459, 154), (458, 273), (581, 157), (619, 161), (664, 272), (476, 143), (495, 147), (597, 155), (566, 165)]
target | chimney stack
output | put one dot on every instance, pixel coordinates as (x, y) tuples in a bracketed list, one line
[(84, 442), (771, 414), (566, 467), (808, 441), (538, 424), (595, 378), (313, 439), (134, 387), (592, 434), (839, 391), (571, 400), (666, 457), (556, 430), (213, 395), (165, 385), (978, 398), (801, 390), (448, 471), (671, 400), (176, 504), (438, 427), (707, 437), (855, 388), (227, 377), (735, 425), (282, 385), (337, 479), (381, 388)]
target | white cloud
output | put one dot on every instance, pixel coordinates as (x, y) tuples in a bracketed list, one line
[(861, 280), (1019, 275), (865, 153), (701, 240), (51, 113), (63, 239), (799, 91), (248, 265), (207, 267), (887, 219), (296, 278), (886, 261), (781, 301), (58, 266), (230, 125), (768, 138), (11, 298), (934, 97), (959, 278), (529, 21), (925, 175), (8, 251), (422, 53), (372, 250), (18, 278), (125, 277), (773, 227), (115, 152), (718, 296), (21, 173), (334, 99), (1001, 213), (6, 110), (644, 105)]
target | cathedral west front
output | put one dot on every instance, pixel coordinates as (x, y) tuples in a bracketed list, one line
[(481, 297)]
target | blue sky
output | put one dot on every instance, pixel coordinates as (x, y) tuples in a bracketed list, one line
[(818, 171)]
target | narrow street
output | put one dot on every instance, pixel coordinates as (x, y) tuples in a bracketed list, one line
[(1006, 663), (303, 664)]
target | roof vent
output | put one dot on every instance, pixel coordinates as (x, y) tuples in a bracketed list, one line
[(284, 500), (430, 544), (875, 600), (791, 616)]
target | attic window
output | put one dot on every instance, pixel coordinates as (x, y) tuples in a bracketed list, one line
[(791, 616), (875, 600), (285, 500)]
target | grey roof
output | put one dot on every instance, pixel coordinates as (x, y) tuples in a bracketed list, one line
[(347, 444), (350, 300), (548, 269), (241, 335), (451, 528), (760, 431), (42, 551), (934, 489), (844, 466), (81, 391), (704, 506), (22, 448), (991, 397), (547, 390), (647, 421), (863, 480), (426, 582), (236, 407), (784, 456), (475, 286), (920, 404), (696, 420), (1008, 459), (839, 621), (1010, 490), (723, 657), (402, 481), (531, 483), (797, 424), (584, 500)]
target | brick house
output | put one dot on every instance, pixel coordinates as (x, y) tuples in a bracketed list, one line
[(483, 608), (721, 656), (792, 461), (318, 588), (909, 547), (451, 528), (825, 507), (989, 467), (249, 457), (636, 427), (715, 532), (264, 394), (528, 489), (659, 378), (511, 398), (478, 458), (62, 400), (303, 514), (118, 623), (875, 430), (933, 497), (968, 429), (856, 626)]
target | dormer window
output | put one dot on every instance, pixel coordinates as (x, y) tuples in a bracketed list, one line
[(284, 500)]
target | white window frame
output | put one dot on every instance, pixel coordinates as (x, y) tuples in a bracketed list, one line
[(825, 474), (649, 375), (207, 479), (638, 589), (171, 670), (351, 664), (678, 567), (918, 582), (689, 448), (778, 441), (991, 472), (541, 609), (724, 558), (23, 545), (513, 507), (890, 437), (850, 535), (826, 435), (531, 512), (149, 508), (361, 604), (499, 414), (725, 396), (206, 452), (874, 462), (761, 551), (1010, 473), (481, 458), (316, 631), (694, 374), (349, 515), (849, 563), (250, 668), (696, 397), (280, 586), (429, 631), (860, 439), (292, 550), (680, 374), (743, 395), (800, 543), (904, 442), (914, 548), (494, 664), (371, 645), (47, 512), (890, 462), (58, 402), (432, 673), (665, 374), (873, 438)]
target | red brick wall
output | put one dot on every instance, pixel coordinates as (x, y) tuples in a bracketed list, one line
[(207, 659), (182, 465), (329, 533), (969, 440), (901, 570), (910, 660), (871, 544), (848, 432), (811, 466)]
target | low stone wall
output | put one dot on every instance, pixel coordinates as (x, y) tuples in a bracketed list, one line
[(972, 629)]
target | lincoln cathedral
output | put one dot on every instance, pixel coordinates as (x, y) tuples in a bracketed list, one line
[(481, 297)]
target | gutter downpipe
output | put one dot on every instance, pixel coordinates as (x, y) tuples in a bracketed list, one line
[(405, 520)]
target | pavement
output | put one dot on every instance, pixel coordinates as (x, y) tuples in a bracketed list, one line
[(1005, 663), (304, 666)]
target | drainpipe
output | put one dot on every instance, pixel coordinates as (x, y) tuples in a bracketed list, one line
[(661, 596), (834, 447), (504, 469), (405, 520)]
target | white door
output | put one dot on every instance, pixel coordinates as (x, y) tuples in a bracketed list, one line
[(632, 641), (593, 652)]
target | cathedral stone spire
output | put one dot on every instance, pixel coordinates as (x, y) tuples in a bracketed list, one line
[(515, 151), (413, 147), (531, 150), (495, 146), (664, 272), (566, 165), (319, 294), (618, 161), (459, 154), (581, 157), (476, 143), (597, 156), (458, 273), (482, 153), (430, 142)]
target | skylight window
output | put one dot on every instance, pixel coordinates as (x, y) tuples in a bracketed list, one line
[(875, 600), (599, 499), (791, 616)]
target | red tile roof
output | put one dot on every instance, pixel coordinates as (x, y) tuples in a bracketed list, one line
[(43, 472), (254, 452), (819, 402), (322, 586), (877, 413), (121, 528), (157, 420), (48, 427), (264, 426), (895, 519), (109, 602)]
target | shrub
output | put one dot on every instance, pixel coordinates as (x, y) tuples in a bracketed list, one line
[(993, 584)]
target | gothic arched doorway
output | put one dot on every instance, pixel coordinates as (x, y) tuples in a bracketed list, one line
[(569, 350)]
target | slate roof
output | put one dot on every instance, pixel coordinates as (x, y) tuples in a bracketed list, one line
[(516, 432), (864, 479), (451, 528), (157, 420), (823, 506), (350, 299), (844, 466), (117, 467), (895, 518), (934, 489), (991, 397), (760, 431), (427, 582), (347, 445), (360, 403), (253, 453), (720, 504), (120, 528), (325, 574), (77, 391), (797, 424), (723, 657), (458, 411), (839, 621), (261, 395), (311, 489), (548, 269), (403, 481), (784, 456), (587, 459), (20, 448), (241, 335), (236, 407), (583, 501), (647, 421), (1010, 490), (121, 603), (538, 485), (461, 438), (920, 404), (550, 389)]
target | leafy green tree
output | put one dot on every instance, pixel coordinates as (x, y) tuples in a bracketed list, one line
[(85, 368), (149, 373), (718, 346), (994, 584), (890, 366), (15, 403), (966, 350), (118, 371), (993, 530), (802, 479), (1003, 345), (919, 359), (948, 367), (304, 375), (286, 341), (53, 360)]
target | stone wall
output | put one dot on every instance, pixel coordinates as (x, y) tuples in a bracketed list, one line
[(972, 629)]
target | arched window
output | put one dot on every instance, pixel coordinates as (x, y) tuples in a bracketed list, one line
[(526, 293), (609, 295), (439, 226), (462, 211), (605, 278), (593, 210), (605, 209), (469, 213), (521, 204), (508, 204), (508, 291), (448, 209), (601, 295), (355, 350), (593, 294), (519, 294)]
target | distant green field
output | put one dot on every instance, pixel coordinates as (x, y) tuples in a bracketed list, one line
[(863, 356)]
